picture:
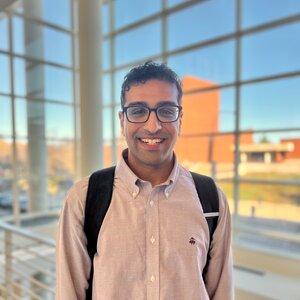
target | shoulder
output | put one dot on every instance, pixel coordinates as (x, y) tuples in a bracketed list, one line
[(76, 196), (223, 203)]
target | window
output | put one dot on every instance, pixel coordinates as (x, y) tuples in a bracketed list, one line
[(271, 104), (129, 11), (138, 44), (282, 42), (198, 23), (4, 74), (256, 12), (214, 63)]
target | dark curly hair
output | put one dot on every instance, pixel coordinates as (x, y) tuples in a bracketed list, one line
[(150, 70)]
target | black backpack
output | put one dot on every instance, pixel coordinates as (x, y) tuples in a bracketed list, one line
[(98, 199)]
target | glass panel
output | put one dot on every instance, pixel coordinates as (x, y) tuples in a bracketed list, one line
[(52, 11), (58, 84), (19, 73), (227, 112), (3, 32), (18, 35), (107, 153), (106, 90), (42, 81), (227, 188), (106, 54), (138, 43), (256, 12), (284, 45), (21, 118), (61, 170), (210, 155), (4, 74), (22, 163), (175, 2), (206, 20), (57, 46), (207, 112), (57, 11), (118, 133), (5, 117), (105, 18), (23, 173), (35, 119), (54, 120), (129, 11), (273, 209), (214, 63), (119, 78), (271, 156), (107, 123), (41, 42), (6, 175), (267, 106), (32, 158), (29, 79), (60, 121)]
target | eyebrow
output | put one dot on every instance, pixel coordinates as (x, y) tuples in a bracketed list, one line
[(161, 103)]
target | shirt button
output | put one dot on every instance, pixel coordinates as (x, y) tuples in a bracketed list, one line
[(152, 278), (167, 194), (152, 240), (134, 194), (151, 202)]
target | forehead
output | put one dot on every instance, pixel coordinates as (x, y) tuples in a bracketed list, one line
[(152, 92)]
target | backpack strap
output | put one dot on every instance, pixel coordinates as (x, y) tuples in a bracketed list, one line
[(208, 196), (98, 199)]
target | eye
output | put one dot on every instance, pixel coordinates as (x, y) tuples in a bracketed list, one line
[(168, 111), (137, 111)]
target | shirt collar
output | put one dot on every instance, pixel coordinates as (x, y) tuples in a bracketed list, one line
[(131, 180), (126, 175)]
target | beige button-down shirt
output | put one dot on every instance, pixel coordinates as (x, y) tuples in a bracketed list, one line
[(152, 244)]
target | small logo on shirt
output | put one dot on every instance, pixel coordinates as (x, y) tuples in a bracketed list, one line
[(192, 241)]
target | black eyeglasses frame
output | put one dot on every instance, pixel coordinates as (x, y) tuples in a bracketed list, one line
[(125, 108)]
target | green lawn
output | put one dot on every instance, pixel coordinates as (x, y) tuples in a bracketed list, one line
[(266, 192)]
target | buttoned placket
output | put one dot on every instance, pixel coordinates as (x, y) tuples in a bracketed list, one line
[(152, 245)]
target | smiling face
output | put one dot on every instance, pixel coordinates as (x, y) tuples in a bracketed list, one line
[(150, 144)]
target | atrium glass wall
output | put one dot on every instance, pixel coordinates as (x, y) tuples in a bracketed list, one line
[(37, 104), (239, 63)]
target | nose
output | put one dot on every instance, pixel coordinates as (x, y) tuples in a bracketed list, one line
[(153, 124)]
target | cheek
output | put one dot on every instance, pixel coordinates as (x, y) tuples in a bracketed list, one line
[(128, 130), (174, 131)]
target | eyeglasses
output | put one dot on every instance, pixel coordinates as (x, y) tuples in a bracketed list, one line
[(140, 114)]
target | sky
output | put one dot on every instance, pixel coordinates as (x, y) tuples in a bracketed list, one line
[(267, 105)]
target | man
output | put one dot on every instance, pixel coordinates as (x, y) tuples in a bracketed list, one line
[(154, 240)]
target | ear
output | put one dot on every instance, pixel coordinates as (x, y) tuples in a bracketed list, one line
[(121, 118)]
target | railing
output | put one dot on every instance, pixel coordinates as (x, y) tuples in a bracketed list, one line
[(27, 259), (27, 264)]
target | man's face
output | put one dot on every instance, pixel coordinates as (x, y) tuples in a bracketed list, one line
[(150, 144)]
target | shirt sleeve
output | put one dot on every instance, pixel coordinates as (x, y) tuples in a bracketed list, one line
[(219, 282), (72, 259)]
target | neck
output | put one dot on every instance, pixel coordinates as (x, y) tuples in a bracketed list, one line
[(156, 174)]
